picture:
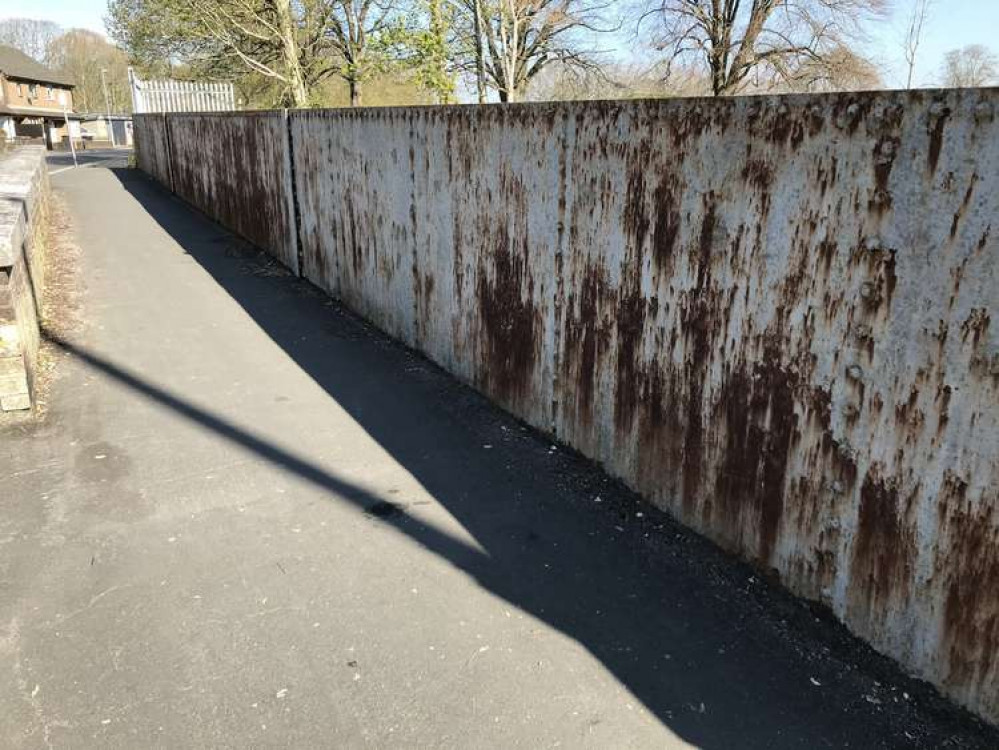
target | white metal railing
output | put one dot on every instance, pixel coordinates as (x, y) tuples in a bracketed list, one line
[(180, 96)]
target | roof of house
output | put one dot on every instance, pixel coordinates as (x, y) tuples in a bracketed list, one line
[(16, 64), (45, 113)]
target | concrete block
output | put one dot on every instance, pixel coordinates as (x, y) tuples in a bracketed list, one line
[(13, 375), (11, 230), (15, 402), (10, 340)]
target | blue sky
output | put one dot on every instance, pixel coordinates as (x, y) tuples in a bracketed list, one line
[(955, 23)]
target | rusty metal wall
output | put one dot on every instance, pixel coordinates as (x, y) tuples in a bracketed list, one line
[(437, 225), (777, 325), (152, 154), (236, 168), (770, 315)]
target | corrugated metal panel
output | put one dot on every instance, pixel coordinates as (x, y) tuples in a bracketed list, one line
[(235, 168)]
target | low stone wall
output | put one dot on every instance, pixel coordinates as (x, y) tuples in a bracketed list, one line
[(772, 316), (24, 196)]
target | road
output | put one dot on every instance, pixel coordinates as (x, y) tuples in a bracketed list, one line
[(248, 520), (109, 158)]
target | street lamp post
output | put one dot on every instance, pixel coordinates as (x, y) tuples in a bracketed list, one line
[(107, 106), (69, 132)]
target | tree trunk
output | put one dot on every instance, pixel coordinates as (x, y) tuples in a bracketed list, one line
[(289, 48), (299, 94), (480, 63), (510, 94), (355, 91), (718, 73)]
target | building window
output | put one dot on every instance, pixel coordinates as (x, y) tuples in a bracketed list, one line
[(50, 92), (20, 90), (32, 90)]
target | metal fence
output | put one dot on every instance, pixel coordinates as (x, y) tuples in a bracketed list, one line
[(180, 96)]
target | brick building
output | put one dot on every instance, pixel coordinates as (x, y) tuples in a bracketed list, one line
[(35, 102)]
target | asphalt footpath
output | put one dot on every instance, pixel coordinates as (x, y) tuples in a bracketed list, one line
[(249, 520)]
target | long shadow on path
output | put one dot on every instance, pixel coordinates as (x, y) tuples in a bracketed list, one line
[(719, 657)]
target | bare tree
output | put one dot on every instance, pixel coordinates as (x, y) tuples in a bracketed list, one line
[(81, 55), (740, 40), (840, 69), (914, 35), (259, 35), (479, 51), (615, 81), (29, 35), (509, 42), (360, 33), (974, 65), (345, 38), (297, 44)]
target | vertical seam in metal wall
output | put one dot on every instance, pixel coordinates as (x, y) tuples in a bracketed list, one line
[(168, 139), (296, 211), (558, 289), (414, 273)]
